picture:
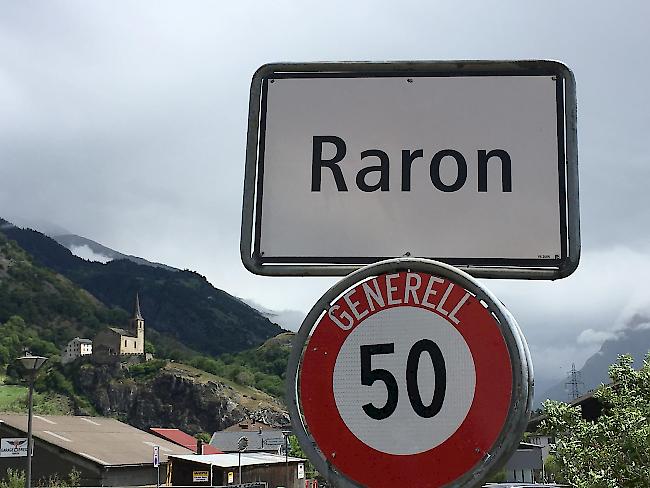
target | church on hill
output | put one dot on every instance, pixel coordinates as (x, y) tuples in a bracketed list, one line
[(115, 341)]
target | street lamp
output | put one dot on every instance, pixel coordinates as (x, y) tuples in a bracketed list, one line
[(286, 434), (31, 364), (242, 444)]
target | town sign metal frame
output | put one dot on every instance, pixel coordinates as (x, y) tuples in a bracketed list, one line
[(254, 260)]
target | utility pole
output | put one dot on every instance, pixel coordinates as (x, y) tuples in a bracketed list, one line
[(574, 383)]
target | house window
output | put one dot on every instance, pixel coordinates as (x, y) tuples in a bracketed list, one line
[(124, 342)]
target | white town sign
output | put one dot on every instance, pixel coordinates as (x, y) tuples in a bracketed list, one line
[(469, 163)]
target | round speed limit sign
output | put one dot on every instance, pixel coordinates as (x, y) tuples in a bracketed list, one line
[(409, 372)]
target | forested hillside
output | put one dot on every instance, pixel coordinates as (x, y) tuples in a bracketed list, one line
[(181, 306), (42, 310), (263, 367)]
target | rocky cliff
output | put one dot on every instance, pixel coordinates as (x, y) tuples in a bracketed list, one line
[(175, 396)]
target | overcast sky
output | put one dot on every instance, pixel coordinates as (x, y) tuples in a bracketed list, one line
[(125, 122)]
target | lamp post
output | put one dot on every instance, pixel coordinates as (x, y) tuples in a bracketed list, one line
[(242, 444), (31, 364), (286, 434)]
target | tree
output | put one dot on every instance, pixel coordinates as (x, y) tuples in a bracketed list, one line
[(614, 450), (296, 451), (203, 437), (552, 470)]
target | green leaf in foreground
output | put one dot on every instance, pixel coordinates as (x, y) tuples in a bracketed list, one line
[(614, 450)]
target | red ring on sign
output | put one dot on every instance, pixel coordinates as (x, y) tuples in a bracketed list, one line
[(442, 464)]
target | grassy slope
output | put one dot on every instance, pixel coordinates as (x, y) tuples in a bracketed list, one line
[(250, 397), (13, 399)]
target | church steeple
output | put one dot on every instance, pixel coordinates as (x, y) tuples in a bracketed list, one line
[(137, 321), (136, 308)]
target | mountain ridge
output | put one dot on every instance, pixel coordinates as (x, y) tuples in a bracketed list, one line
[(180, 304), (75, 242), (632, 339)]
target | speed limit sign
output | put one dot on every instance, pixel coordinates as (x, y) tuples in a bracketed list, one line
[(409, 372)]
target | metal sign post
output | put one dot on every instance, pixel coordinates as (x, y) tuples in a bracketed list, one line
[(411, 179), (409, 372)]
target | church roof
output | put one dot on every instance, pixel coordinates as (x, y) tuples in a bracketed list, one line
[(122, 332)]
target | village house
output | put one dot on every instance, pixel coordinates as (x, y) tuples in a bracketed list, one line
[(76, 348)]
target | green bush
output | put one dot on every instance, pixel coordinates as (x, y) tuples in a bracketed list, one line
[(147, 370), (53, 481), (14, 478)]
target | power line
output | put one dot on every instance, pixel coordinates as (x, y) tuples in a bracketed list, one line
[(575, 383)]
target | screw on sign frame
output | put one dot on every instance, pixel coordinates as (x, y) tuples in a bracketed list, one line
[(409, 372)]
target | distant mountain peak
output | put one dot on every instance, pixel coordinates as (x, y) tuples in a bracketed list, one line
[(287, 319), (80, 246), (94, 251), (633, 339), (5, 224), (43, 226)]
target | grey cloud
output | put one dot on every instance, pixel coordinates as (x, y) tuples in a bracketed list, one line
[(125, 122), (597, 337)]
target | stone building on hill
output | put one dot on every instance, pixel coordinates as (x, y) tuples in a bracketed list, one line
[(115, 341), (76, 348)]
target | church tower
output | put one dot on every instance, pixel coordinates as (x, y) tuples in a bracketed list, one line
[(136, 325)]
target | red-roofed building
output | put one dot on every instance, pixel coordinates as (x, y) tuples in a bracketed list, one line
[(182, 439)]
